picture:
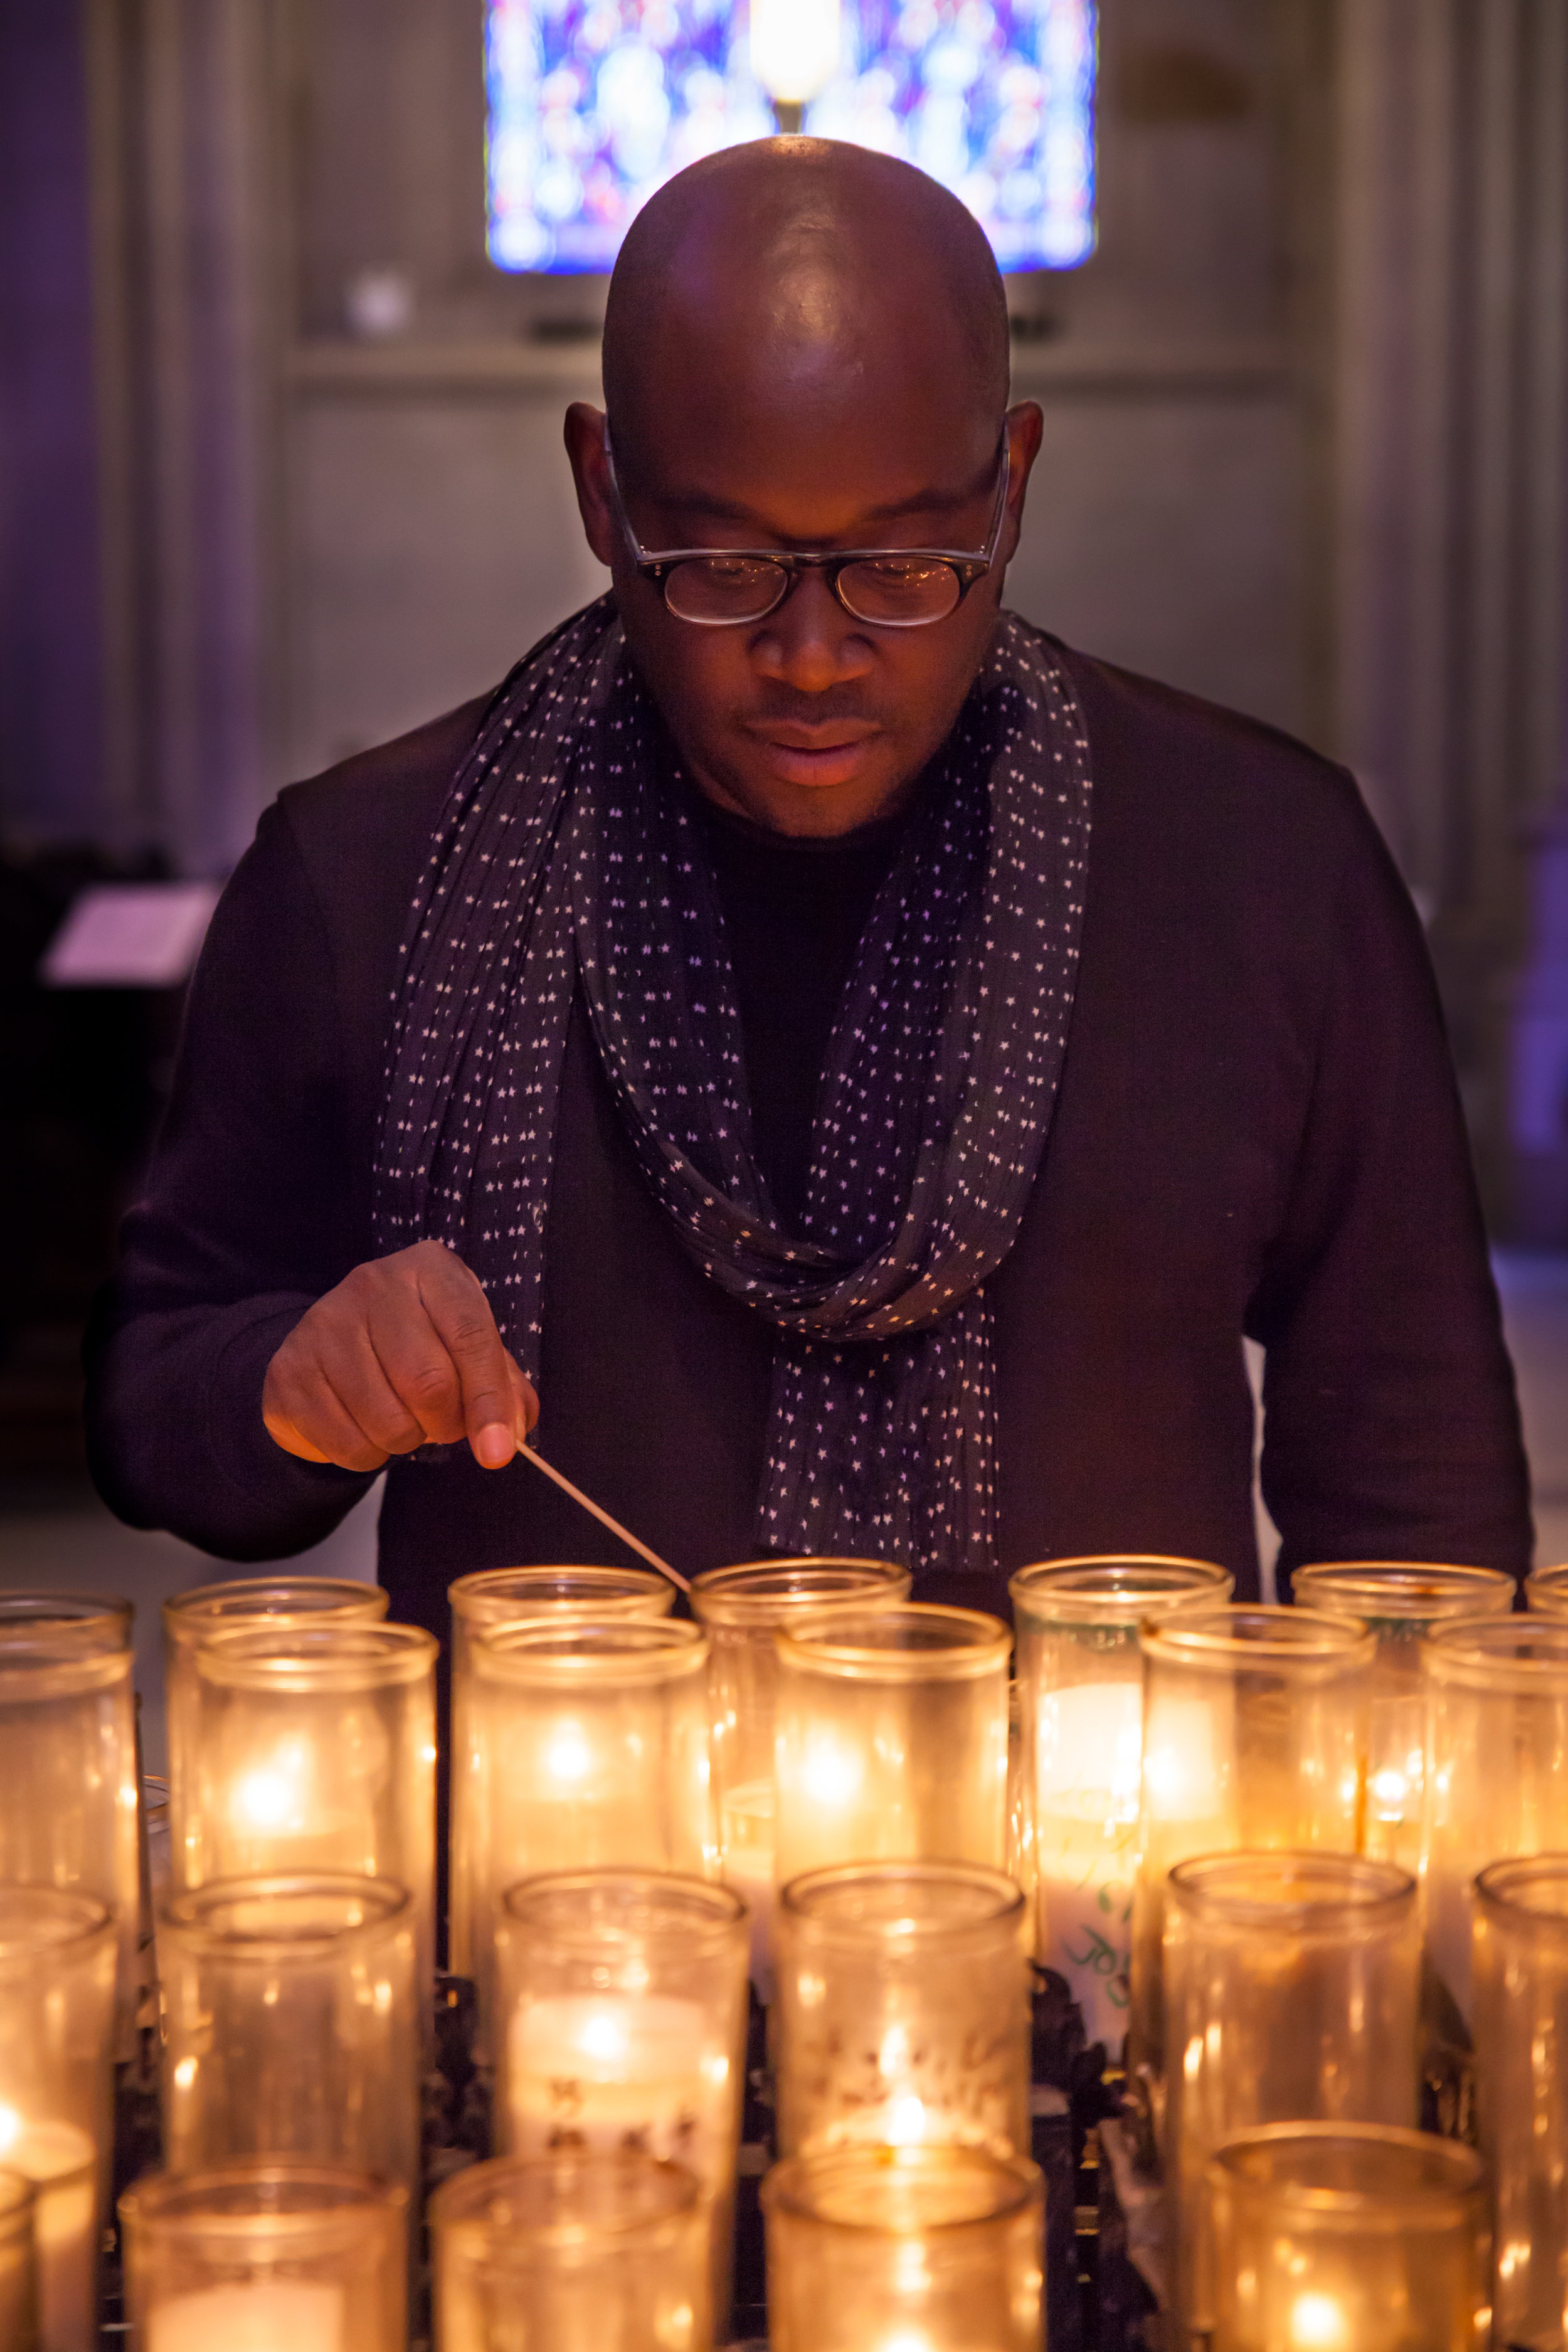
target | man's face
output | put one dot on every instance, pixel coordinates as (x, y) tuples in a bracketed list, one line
[(809, 721)]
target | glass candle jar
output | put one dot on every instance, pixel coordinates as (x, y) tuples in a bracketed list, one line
[(1254, 1730), (742, 1608), (904, 2250), (18, 2298), (590, 1751), (256, 2256), (891, 1739), (1521, 2067), (1292, 1990), (1334, 2239), (58, 1959), (1400, 1602), (623, 2001), (1547, 1591), (903, 2008), (1080, 1676), (313, 1748), (292, 2024), (247, 1604), (603, 2254), (511, 1596), (1496, 1729), (68, 1763)]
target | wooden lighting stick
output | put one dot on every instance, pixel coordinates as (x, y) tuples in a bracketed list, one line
[(604, 1518)]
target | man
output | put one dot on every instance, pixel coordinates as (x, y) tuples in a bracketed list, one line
[(862, 1064)]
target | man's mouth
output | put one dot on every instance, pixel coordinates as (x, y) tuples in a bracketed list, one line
[(815, 751)]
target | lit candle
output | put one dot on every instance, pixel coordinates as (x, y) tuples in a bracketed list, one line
[(1089, 1757), (60, 2159), (615, 2072), (266, 2315)]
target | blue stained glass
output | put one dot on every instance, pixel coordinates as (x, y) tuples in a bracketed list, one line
[(594, 103)]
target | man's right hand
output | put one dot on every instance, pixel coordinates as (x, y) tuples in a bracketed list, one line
[(403, 1353)]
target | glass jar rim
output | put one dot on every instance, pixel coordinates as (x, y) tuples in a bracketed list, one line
[(1503, 1890), (304, 1658), (193, 1914), (37, 1675), (1394, 1592), (700, 1914), (88, 1621), (1254, 1634), (1004, 2186), (470, 1596), (767, 1592), (1363, 1888), (1242, 2167), (305, 2208), (998, 1902), (957, 1643), (67, 1926), (560, 1649), (1549, 1585), (1525, 1654), (473, 2206), (17, 2199), (251, 1603), (1117, 1588)]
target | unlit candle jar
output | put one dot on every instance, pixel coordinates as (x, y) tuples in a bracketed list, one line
[(18, 2290), (266, 2258), (1293, 1989), (68, 1763), (891, 1739), (903, 2008), (511, 1596), (1080, 1676), (57, 1956), (904, 2250), (623, 2001), (591, 1751), (1255, 1732), (292, 2024), (743, 1609), (1329, 2238), (1400, 1602), (1496, 1696), (246, 1604), (313, 1750), (1521, 2069), (572, 2253)]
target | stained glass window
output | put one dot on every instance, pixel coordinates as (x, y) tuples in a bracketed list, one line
[(594, 103)]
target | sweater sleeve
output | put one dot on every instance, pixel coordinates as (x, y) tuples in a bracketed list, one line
[(1392, 1427), (244, 1220)]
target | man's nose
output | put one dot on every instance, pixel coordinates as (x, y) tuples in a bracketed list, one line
[(811, 642)]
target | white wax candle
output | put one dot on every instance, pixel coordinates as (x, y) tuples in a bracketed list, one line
[(60, 2162), (268, 2315), (750, 1851), (1090, 1760), (611, 2071)]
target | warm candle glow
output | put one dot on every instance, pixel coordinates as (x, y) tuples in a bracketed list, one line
[(264, 2316), (60, 2159), (1317, 2325), (796, 47)]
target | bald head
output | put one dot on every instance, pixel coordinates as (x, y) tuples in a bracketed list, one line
[(795, 278)]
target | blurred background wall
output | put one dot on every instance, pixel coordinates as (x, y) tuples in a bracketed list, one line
[(280, 470)]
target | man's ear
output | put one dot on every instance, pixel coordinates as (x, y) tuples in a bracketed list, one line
[(584, 437), (1026, 427)]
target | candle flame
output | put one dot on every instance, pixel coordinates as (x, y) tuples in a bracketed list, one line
[(10, 2129), (569, 1755), (1317, 2324)]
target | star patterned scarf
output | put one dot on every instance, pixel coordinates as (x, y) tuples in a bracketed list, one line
[(563, 859)]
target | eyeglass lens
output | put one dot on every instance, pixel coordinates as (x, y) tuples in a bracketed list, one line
[(895, 592)]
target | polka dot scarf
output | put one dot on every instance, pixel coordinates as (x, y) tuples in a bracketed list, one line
[(562, 859)]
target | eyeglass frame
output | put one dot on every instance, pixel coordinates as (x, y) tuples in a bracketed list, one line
[(655, 566)]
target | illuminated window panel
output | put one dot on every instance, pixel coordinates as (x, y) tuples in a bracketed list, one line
[(594, 103)]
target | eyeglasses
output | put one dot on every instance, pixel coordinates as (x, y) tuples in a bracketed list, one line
[(889, 587)]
